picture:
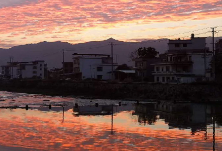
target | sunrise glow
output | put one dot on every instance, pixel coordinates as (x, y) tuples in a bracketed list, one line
[(75, 21)]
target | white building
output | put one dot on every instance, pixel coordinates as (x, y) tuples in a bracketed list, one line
[(34, 69), (93, 66), (10, 70), (186, 61)]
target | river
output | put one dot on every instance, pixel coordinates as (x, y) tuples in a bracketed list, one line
[(37, 122)]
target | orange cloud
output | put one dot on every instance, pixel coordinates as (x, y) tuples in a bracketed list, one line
[(49, 17)]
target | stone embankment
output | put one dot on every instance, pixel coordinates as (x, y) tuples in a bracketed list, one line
[(199, 92)]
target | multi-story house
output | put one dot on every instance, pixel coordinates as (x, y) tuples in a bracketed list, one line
[(67, 67), (144, 68), (10, 71), (93, 66), (218, 46), (34, 69), (186, 61)]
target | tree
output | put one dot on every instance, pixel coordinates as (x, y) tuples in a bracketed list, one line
[(144, 52), (123, 67), (218, 66)]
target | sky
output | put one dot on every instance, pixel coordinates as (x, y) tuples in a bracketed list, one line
[(78, 21)]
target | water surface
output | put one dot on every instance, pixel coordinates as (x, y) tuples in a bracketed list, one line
[(144, 126)]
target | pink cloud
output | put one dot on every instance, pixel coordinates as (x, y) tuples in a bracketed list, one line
[(37, 17)]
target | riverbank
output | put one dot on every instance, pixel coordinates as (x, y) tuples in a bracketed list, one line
[(199, 92)]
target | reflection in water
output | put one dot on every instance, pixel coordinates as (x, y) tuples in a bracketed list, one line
[(196, 117), (149, 126)]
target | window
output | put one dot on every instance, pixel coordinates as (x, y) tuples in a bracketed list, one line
[(163, 79), (40, 74), (177, 45), (162, 68), (189, 58), (99, 68), (141, 64), (99, 77), (23, 67), (167, 68), (157, 69), (40, 68), (34, 67), (170, 58), (40, 65), (168, 79), (34, 72), (173, 78), (184, 45), (157, 79)]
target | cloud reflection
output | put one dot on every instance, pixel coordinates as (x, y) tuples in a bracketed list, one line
[(39, 130)]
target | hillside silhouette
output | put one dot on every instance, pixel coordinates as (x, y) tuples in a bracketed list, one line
[(51, 52)]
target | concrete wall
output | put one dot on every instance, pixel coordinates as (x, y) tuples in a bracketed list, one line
[(198, 63), (88, 67), (133, 91), (194, 43), (29, 72)]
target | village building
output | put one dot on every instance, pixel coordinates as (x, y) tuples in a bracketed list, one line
[(34, 69), (144, 68), (218, 46), (93, 66), (67, 67), (124, 73), (186, 61)]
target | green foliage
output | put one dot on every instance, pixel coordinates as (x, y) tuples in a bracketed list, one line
[(219, 64), (123, 67), (144, 52)]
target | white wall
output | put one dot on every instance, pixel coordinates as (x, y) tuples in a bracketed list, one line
[(194, 43), (28, 72), (198, 63), (39, 71), (14, 72), (187, 79), (198, 43), (88, 67)]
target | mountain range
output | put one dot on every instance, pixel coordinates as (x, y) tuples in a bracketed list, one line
[(52, 52)]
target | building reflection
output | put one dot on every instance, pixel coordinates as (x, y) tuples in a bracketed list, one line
[(192, 116), (146, 113), (88, 132), (101, 110)]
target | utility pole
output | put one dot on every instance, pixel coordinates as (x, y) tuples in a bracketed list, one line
[(205, 64), (214, 54), (63, 59), (11, 67), (112, 57)]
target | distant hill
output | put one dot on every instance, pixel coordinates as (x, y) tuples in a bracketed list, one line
[(51, 52)]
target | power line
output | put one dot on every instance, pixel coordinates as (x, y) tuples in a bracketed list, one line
[(184, 32), (214, 54)]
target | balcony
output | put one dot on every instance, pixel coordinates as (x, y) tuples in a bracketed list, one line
[(171, 72)]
